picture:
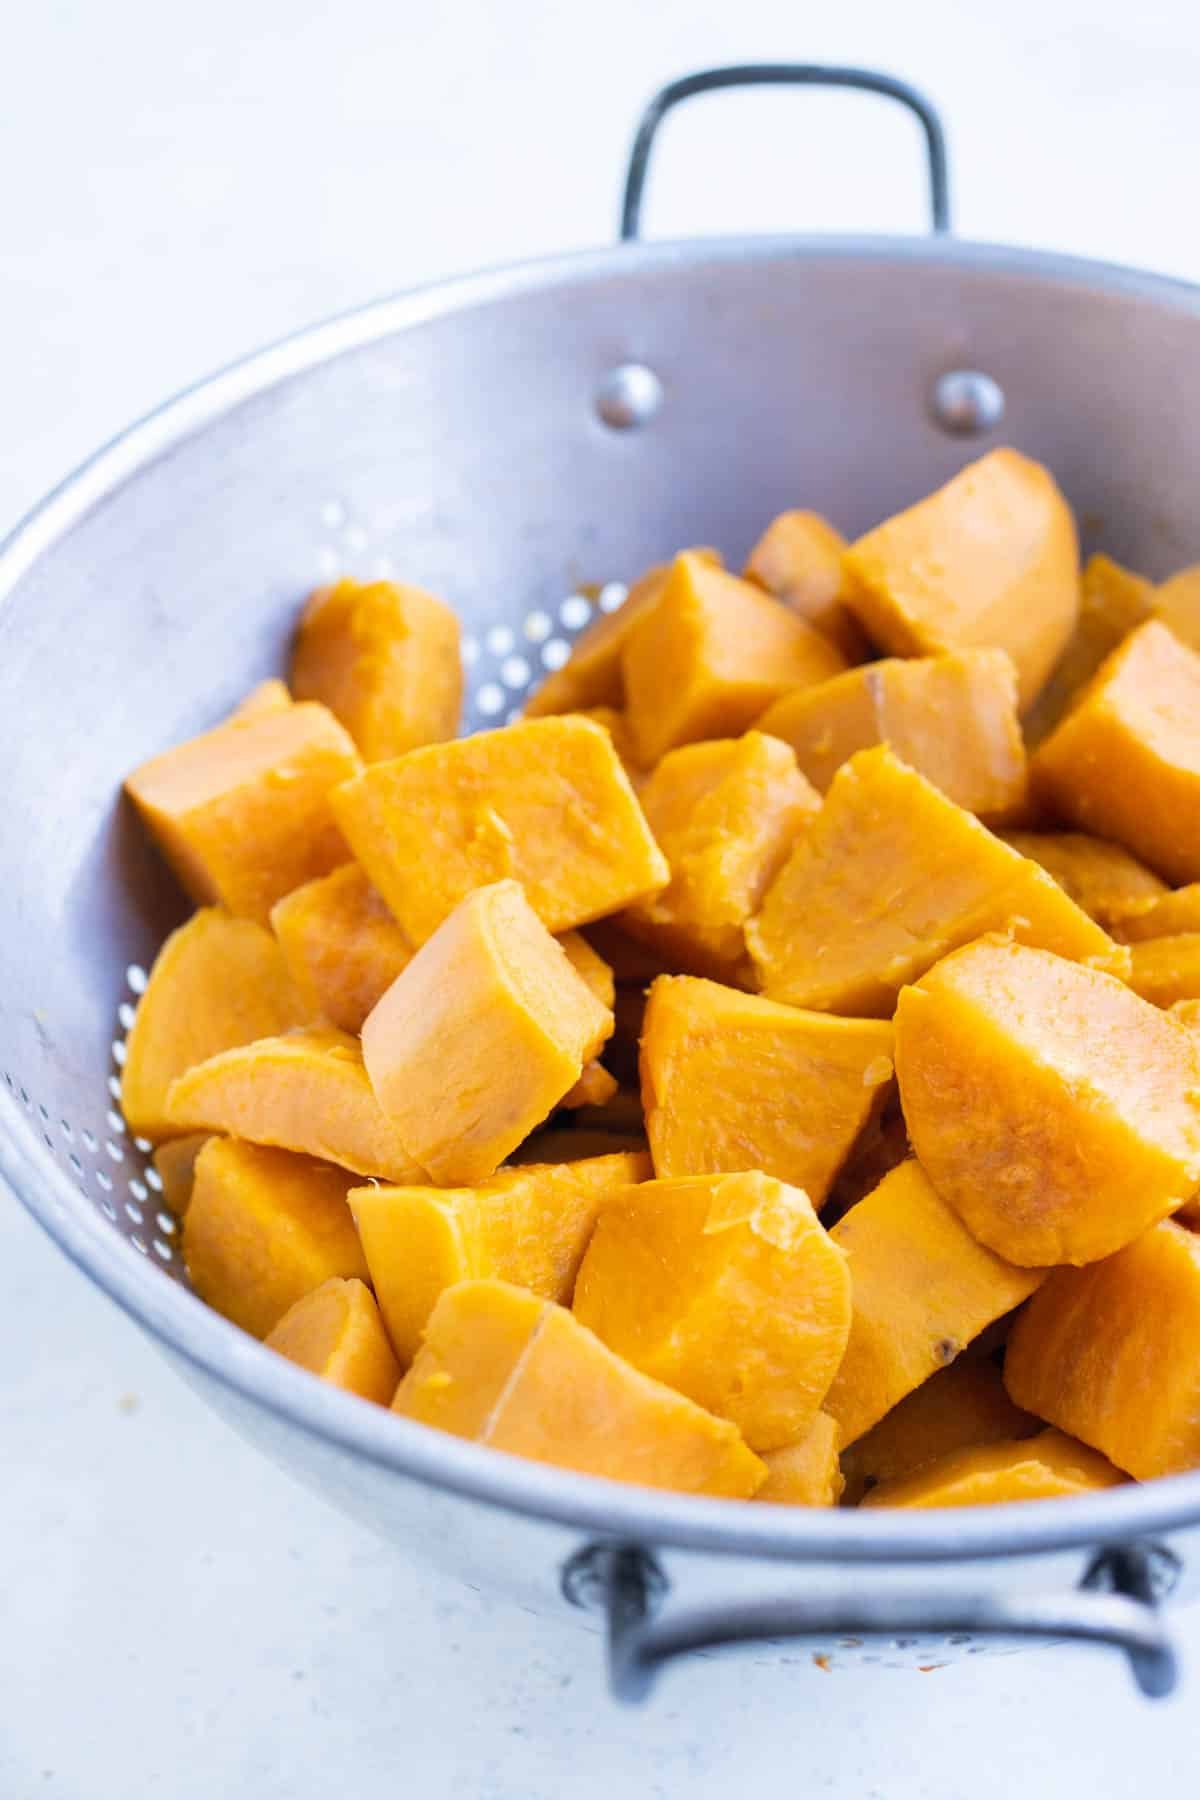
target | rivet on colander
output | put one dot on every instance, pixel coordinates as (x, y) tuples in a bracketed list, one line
[(966, 402), (629, 396)]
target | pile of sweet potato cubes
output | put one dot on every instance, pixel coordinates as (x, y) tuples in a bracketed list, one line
[(770, 1068)]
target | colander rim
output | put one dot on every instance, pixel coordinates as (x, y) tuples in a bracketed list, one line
[(185, 1325)]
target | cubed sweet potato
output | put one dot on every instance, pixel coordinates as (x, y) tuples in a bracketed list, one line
[(1111, 886), (481, 1036), (175, 1165), (805, 1473), (1057, 1112), (798, 558), (264, 1228), (336, 1332), (727, 1288), (731, 1082), (544, 802), (595, 1087), (1164, 914), (590, 966), (341, 944), (724, 814), (1125, 762), (592, 674), (528, 1226), (1112, 602), (572, 1143), (384, 658), (307, 1091), (270, 696), (953, 718), (502, 1367), (887, 878), (922, 1287), (989, 560), (1177, 604), (881, 1146), (617, 726), (1111, 1353), (711, 655), (217, 982), (960, 1407), (1167, 969), (242, 813), (1047, 1467)]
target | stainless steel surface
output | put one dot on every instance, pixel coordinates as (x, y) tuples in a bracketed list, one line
[(967, 403), (1116, 1604), (453, 436)]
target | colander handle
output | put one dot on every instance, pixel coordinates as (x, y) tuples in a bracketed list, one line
[(705, 81), (1115, 1604)]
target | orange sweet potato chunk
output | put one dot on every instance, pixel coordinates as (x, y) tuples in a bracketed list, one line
[(1125, 762), (216, 982), (617, 727), (1165, 913), (270, 696), (989, 560), (592, 677), (481, 1036), (960, 1407), (923, 1288), (521, 1374), (336, 1332), (798, 558), (805, 1473), (1057, 1112), (1047, 1467), (724, 814), (1187, 1012), (242, 813), (544, 802), (1111, 1353), (263, 1229), (1112, 602), (1167, 969), (384, 658), (341, 944), (733, 1082), (1111, 886), (595, 1087), (727, 1288), (175, 1165), (590, 966), (711, 655), (887, 878), (528, 1226), (572, 1143), (882, 1145), (952, 718), (1177, 604), (307, 1091)]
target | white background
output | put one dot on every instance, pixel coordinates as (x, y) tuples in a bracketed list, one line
[(178, 183)]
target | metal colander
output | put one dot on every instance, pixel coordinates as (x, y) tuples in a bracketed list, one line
[(506, 441)]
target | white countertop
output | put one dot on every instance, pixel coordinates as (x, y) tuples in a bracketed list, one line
[(180, 1620)]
